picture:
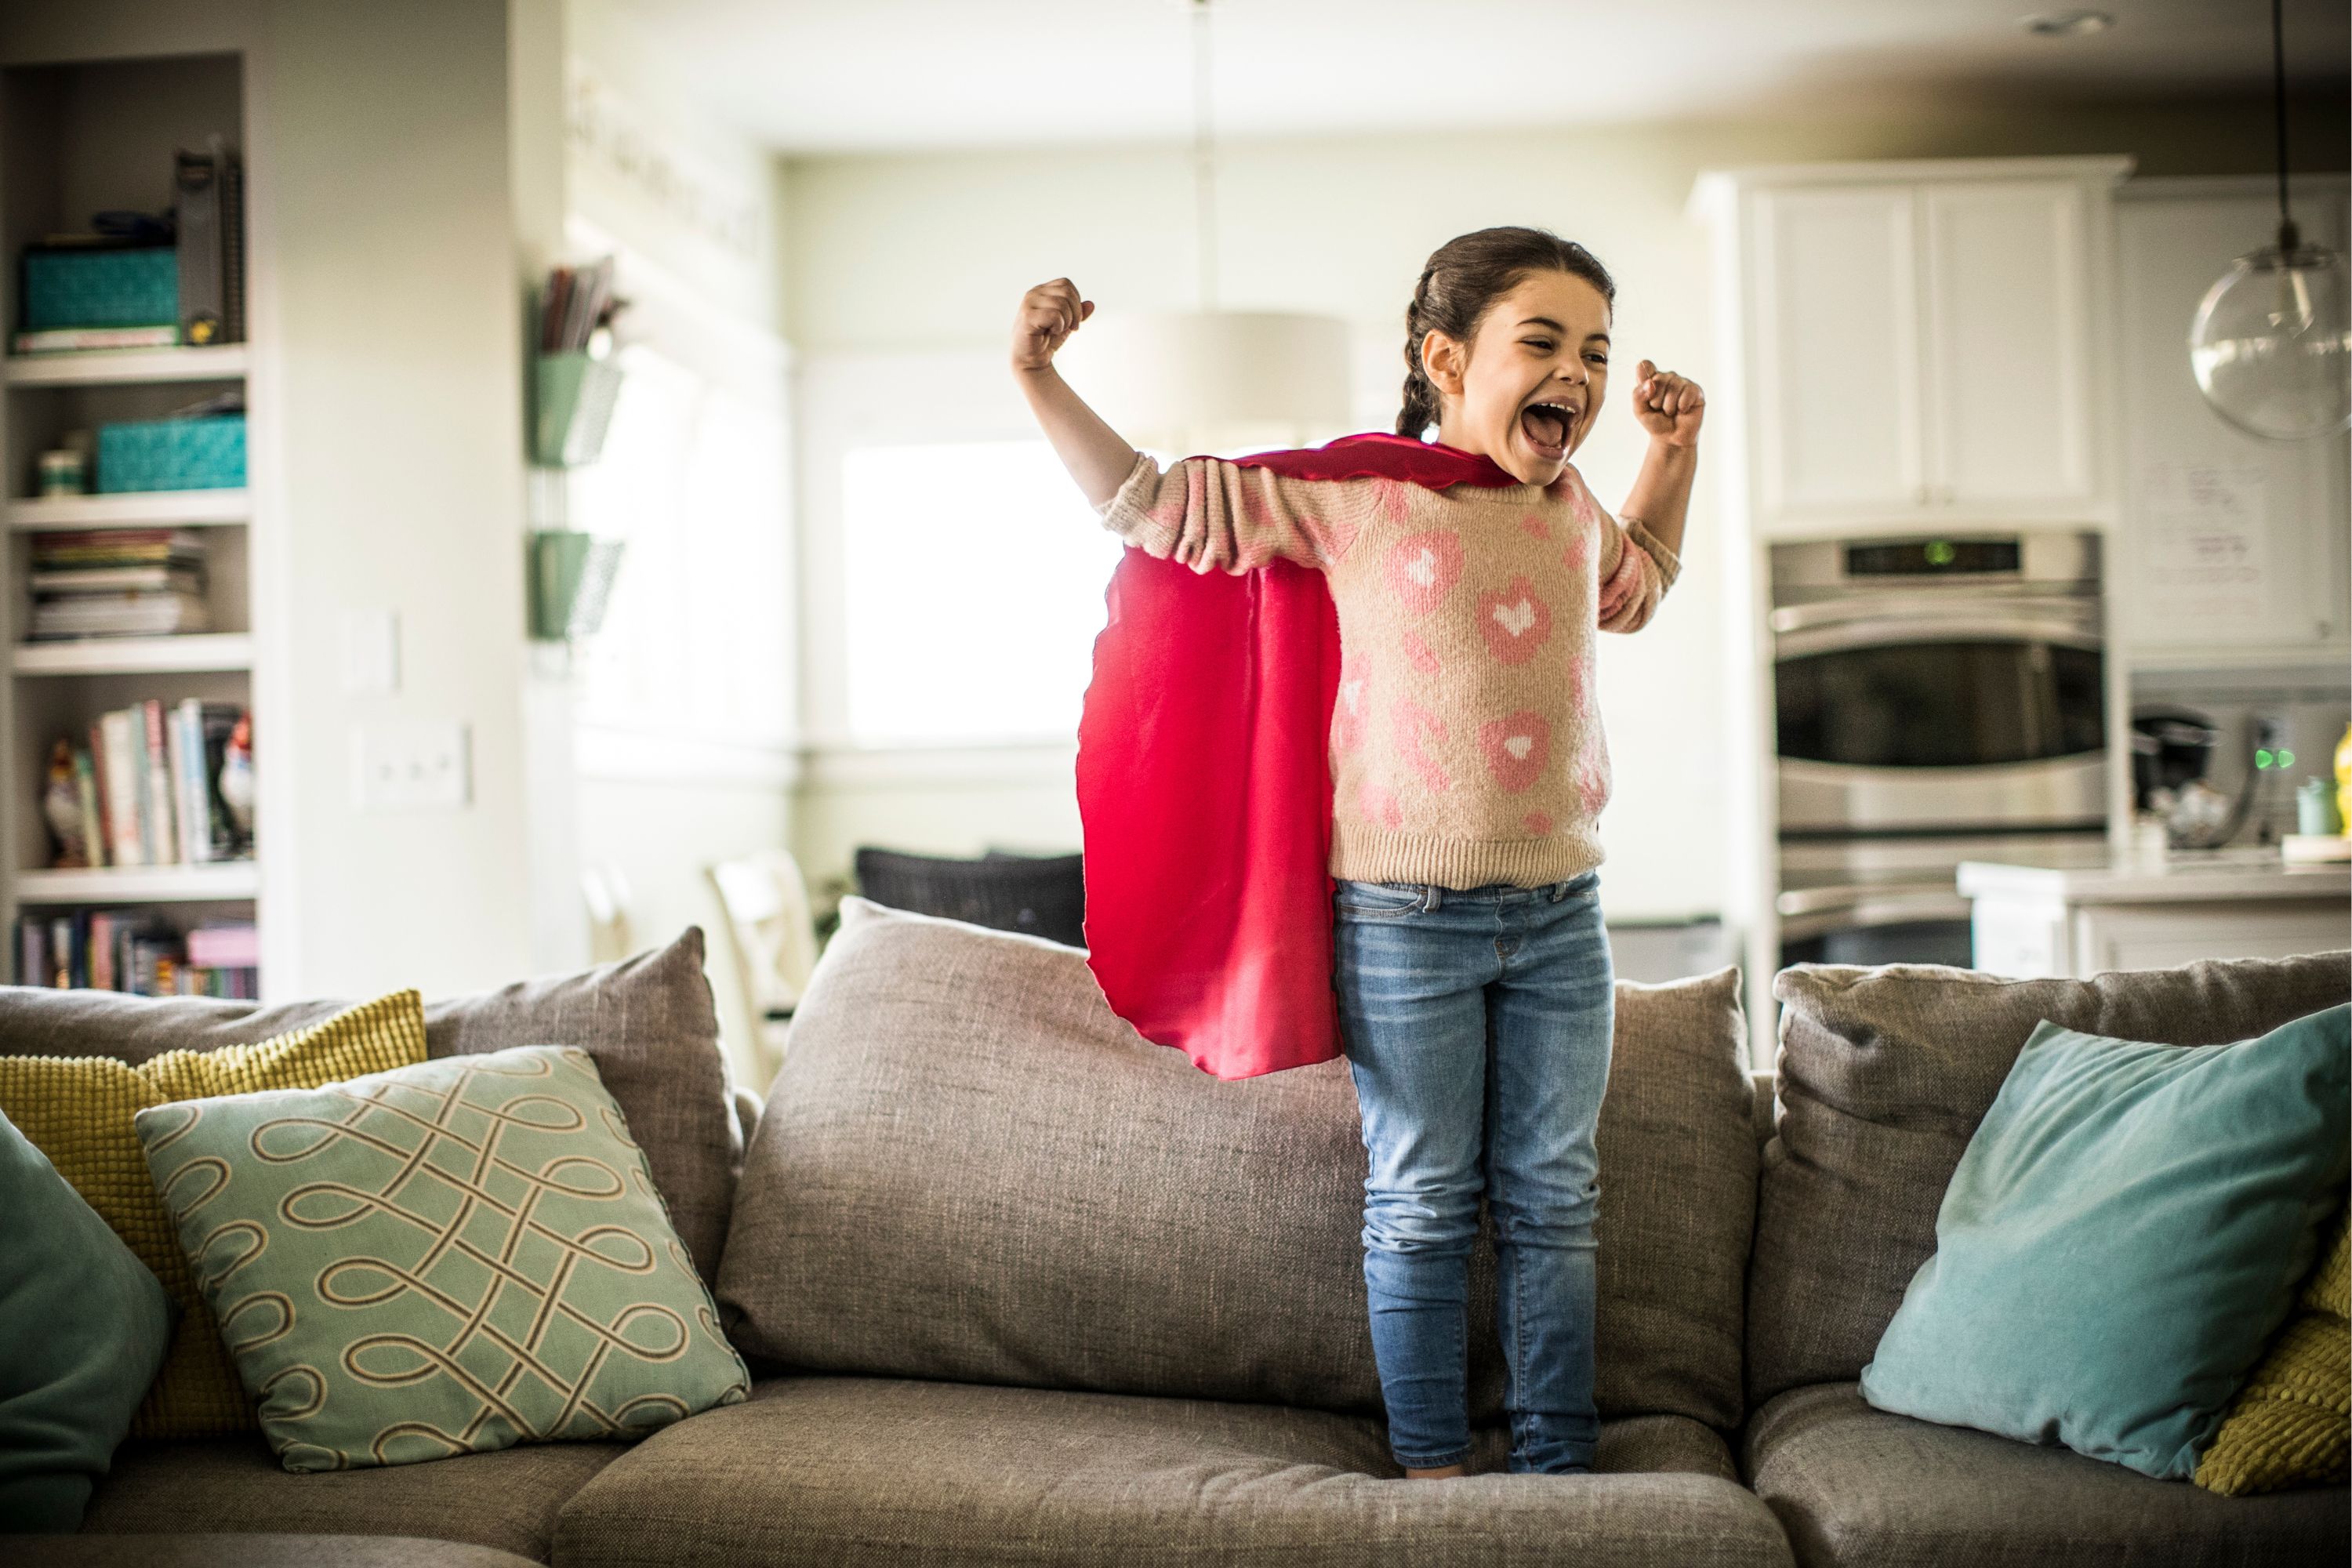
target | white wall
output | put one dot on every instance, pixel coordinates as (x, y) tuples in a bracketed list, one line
[(402, 455), (664, 792), (892, 256)]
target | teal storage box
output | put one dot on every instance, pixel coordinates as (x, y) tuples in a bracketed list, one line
[(206, 453), (101, 288)]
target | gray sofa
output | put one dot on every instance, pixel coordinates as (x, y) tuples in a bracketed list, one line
[(1019, 1287)]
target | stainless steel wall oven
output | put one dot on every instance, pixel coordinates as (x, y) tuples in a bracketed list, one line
[(1934, 700)]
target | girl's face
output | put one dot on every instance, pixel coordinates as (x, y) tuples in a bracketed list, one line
[(1526, 390)]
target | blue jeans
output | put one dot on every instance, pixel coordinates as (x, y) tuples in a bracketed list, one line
[(1477, 1027)]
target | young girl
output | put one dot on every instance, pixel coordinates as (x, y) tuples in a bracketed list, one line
[(1476, 994)]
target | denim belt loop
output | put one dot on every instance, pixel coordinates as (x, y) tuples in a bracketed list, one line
[(1558, 890), (1431, 896)]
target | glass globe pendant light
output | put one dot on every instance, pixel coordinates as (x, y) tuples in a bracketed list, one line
[(2272, 345)]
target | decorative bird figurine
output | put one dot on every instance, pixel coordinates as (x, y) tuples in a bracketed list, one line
[(237, 776), (61, 804)]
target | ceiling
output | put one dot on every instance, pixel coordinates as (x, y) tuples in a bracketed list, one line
[(844, 76)]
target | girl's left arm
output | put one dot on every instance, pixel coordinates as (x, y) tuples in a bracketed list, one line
[(1669, 407)]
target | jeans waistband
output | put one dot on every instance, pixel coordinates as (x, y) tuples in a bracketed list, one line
[(1434, 896)]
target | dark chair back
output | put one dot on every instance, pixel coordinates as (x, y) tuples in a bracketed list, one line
[(1038, 895)]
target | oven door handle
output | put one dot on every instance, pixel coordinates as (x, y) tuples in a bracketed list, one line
[(1845, 635), (1874, 903), (2070, 610)]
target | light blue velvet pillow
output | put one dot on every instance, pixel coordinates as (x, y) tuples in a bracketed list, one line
[(83, 1325), (2123, 1236)]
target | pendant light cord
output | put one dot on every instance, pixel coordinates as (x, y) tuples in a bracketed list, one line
[(2288, 237), (1204, 170)]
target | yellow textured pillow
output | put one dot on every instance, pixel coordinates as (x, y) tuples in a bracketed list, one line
[(2291, 1425), (77, 1110)]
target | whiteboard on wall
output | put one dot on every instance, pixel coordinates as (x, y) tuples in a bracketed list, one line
[(2231, 548)]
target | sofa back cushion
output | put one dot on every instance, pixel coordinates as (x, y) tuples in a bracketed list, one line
[(1885, 1073), (648, 1022), (971, 1169)]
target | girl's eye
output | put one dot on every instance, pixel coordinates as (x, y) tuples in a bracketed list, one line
[(1542, 344), (1598, 359)]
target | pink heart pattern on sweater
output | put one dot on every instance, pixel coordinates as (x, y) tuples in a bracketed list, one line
[(1424, 567), (1514, 622), (1409, 720), (1347, 713), (1592, 780), (1379, 806), (1419, 654), (1515, 746)]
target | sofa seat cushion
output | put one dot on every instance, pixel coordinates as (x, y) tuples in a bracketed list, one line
[(845, 1472), (971, 1169), (254, 1551), (648, 1021), (506, 1499), (1862, 1488), (1883, 1076)]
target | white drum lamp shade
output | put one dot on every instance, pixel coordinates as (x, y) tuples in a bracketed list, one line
[(1200, 381)]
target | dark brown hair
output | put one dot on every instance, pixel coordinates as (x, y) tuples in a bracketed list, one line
[(1464, 278)]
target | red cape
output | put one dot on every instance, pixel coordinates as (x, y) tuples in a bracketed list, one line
[(1204, 787)]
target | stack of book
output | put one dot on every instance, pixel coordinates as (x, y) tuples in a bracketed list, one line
[(130, 949), (117, 582), (149, 785)]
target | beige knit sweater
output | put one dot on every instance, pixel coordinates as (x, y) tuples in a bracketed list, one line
[(1465, 745)]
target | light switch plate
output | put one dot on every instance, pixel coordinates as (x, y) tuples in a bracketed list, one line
[(371, 652), (410, 765)]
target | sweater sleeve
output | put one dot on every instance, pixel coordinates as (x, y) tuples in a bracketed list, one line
[(1636, 569), (1206, 512)]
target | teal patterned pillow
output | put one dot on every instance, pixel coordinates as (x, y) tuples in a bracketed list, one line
[(445, 1258)]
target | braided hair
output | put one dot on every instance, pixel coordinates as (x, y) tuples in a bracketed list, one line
[(1464, 278)]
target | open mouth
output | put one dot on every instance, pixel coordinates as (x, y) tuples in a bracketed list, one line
[(1547, 425)]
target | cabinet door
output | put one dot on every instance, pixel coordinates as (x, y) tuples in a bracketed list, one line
[(2233, 548), (2009, 395), (2164, 936), (1837, 353)]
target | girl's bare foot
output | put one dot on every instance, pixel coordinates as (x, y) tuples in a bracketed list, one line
[(1442, 1472)]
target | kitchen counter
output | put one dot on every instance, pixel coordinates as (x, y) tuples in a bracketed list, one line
[(2033, 922), (2181, 878)]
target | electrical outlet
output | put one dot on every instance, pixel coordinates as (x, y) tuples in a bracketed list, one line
[(410, 765)]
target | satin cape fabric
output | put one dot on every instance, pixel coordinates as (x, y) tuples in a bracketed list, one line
[(1204, 787)]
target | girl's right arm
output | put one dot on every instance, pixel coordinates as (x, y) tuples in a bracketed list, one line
[(1203, 512), (1098, 457)]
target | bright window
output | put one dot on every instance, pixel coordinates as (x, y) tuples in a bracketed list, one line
[(975, 574), (696, 636)]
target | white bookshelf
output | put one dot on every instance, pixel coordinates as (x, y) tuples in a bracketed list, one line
[(136, 656), (113, 367), (150, 509), (225, 879), (85, 135)]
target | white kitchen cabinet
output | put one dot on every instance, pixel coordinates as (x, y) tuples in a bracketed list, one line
[(2034, 922), (2009, 387), (2233, 548), (1921, 344), (1837, 352)]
